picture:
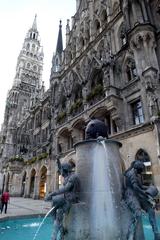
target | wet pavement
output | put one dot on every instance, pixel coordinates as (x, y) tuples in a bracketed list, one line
[(25, 207)]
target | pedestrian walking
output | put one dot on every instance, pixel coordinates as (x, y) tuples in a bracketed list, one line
[(4, 201)]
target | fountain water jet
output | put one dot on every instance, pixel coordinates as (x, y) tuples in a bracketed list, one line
[(104, 213), (40, 225)]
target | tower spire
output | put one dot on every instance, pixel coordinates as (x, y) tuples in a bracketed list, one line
[(34, 25), (59, 48)]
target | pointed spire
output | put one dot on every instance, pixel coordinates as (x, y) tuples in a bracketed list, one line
[(67, 32), (34, 25), (59, 48), (67, 27)]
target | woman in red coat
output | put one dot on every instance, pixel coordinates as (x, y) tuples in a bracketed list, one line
[(4, 199)]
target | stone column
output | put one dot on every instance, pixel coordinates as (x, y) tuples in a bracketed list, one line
[(27, 188), (134, 11), (36, 187), (144, 10), (48, 182), (91, 11)]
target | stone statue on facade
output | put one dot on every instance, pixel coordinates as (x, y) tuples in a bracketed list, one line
[(125, 9), (63, 198), (139, 197)]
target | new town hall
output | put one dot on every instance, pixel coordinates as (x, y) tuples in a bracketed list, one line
[(109, 70)]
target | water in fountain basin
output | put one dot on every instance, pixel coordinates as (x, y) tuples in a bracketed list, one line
[(24, 229)]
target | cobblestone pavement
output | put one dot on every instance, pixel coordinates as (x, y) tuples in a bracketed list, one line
[(24, 207)]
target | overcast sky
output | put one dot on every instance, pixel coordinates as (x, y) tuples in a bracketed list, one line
[(16, 17)]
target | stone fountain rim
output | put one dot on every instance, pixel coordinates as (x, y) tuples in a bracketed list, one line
[(96, 141)]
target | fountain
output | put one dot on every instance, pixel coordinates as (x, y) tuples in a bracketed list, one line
[(101, 212)]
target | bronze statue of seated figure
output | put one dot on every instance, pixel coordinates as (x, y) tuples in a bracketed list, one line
[(63, 198)]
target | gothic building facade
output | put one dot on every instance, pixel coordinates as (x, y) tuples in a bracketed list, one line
[(108, 70)]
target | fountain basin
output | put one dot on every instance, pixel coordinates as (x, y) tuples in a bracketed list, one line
[(25, 228)]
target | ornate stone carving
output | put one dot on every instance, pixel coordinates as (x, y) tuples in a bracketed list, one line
[(141, 38)]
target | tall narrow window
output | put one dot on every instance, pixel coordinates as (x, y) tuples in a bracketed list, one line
[(107, 121), (28, 45), (122, 35), (57, 65), (123, 38), (97, 25), (137, 112), (114, 126), (131, 70)]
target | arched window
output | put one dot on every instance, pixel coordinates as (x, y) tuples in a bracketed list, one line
[(147, 175), (131, 71), (81, 42), (28, 45), (137, 112), (103, 16), (97, 25), (28, 65), (57, 64), (37, 120), (65, 141), (43, 182)]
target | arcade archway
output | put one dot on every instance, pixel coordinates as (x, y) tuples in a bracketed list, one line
[(42, 185)]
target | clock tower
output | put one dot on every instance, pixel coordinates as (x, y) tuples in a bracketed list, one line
[(26, 90)]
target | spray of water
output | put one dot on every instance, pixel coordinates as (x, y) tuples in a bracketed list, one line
[(35, 236), (104, 216)]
